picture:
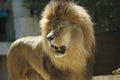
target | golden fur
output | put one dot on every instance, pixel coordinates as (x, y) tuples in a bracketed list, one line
[(63, 52)]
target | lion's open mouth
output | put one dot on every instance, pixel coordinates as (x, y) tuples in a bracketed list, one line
[(59, 50)]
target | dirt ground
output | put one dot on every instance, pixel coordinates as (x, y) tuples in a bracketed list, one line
[(107, 77)]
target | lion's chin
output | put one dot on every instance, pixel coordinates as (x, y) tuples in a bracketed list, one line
[(59, 50)]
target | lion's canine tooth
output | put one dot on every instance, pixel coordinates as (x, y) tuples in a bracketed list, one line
[(59, 48)]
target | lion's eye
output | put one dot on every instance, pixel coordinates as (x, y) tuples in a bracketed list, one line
[(49, 30), (60, 28)]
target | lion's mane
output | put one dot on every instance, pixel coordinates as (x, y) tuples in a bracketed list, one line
[(80, 57)]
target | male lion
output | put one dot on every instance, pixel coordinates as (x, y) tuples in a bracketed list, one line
[(64, 51)]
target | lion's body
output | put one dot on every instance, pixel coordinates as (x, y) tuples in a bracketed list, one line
[(63, 52), (25, 54)]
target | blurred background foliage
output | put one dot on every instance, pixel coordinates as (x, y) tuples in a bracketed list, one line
[(105, 13)]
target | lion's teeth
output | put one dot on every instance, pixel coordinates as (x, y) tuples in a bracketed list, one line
[(59, 48)]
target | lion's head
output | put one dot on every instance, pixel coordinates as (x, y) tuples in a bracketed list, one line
[(59, 37), (67, 32)]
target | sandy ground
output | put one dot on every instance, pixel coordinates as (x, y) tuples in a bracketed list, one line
[(107, 77)]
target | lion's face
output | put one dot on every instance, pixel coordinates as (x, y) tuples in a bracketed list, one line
[(58, 37)]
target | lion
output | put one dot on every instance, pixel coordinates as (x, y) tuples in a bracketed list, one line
[(64, 51)]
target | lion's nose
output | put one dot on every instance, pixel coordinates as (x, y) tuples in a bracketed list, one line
[(50, 38)]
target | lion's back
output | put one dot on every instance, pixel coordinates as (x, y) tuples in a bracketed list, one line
[(28, 41), (20, 46)]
